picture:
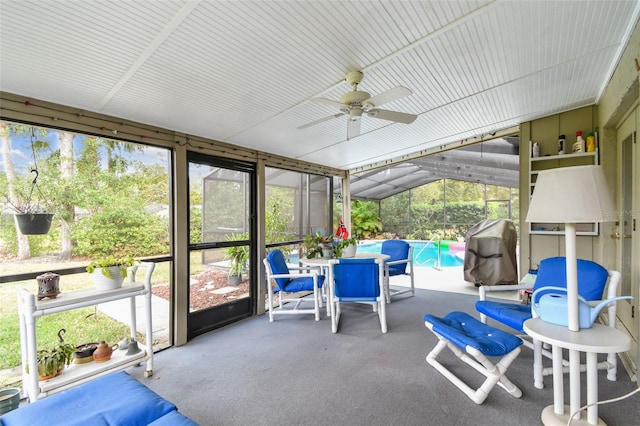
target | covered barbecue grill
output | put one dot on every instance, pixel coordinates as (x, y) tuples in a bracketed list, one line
[(490, 253)]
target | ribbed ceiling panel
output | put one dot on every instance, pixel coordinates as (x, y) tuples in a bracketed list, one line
[(244, 71)]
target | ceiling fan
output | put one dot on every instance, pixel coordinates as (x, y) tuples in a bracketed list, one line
[(357, 103)]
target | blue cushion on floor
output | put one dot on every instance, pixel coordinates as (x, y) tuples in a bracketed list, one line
[(114, 399), (463, 330), (512, 314)]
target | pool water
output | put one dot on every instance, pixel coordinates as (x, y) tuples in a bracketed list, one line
[(424, 253)]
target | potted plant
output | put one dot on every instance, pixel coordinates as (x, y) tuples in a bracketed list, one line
[(32, 217), (346, 248), (52, 361), (238, 257), (109, 272)]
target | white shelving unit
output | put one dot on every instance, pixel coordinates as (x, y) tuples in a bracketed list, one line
[(538, 164), (30, 310)]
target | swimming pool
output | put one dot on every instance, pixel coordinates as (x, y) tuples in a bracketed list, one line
[(424, 253)]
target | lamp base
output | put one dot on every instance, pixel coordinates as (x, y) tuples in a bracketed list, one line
[(550, 418)]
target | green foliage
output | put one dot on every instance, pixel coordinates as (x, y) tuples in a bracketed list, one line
[(277, 221), (195, 225), (365, 222), (52, 360), (120, 231), (105, 263), (337, 249), (83, 326), (237, 255)]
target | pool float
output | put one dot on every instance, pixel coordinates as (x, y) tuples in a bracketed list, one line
[(456, 246)]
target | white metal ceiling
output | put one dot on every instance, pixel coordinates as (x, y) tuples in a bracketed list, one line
[(243, 71)]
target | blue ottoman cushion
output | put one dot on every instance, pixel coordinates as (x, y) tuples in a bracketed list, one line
[(463, 330), (114, 399), (173, 418)]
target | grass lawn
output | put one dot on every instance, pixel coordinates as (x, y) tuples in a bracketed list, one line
[(83, 325)]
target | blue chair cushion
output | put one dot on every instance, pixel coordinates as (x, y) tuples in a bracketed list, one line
[(356, 280), (278, 266), (592, 277), (512, 314), (114, 399), (463, 330), (397, 250), (300, 284)]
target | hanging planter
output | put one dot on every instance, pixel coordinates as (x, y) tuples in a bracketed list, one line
[(33, 217), (34, 223)]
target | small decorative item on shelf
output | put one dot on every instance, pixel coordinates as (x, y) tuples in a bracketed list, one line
[(536, 150), (84, 353), (108, 273), (103, 352), (561, 142), (48, 285)]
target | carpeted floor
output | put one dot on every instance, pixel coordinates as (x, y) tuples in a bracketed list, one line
[(296, 372)]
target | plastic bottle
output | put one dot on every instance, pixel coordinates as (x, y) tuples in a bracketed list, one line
[(591, 142), (536, 150), (579, 145), (561, 141)]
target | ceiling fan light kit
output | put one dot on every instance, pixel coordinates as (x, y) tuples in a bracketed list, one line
[(355, 103)]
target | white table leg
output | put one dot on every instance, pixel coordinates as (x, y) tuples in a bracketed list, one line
[(592, 387), (558, 385), (574, 382)]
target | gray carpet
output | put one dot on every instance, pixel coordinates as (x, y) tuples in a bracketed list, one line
[(296, 372)]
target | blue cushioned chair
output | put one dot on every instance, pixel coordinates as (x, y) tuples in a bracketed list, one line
[(592, 280), (356, 280), (400, 256), (293, 284)]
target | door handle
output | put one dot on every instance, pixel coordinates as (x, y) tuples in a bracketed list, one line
[(615, 235), (627, 235)]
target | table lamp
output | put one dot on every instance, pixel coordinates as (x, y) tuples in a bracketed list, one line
[(571, 195)]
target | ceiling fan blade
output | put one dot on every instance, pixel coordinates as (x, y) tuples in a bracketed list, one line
[(388, 96), (353, 128), (399, 117), (329, 102), (322, 120)]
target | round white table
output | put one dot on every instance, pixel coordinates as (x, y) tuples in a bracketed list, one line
[(593, 341), (323, 261)]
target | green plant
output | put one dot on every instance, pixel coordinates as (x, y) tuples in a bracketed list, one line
[(337, 249), (51, 361), (237, 255), (314, 243), (106, 263)]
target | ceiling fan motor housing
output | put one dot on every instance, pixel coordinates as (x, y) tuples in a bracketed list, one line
[(354, 98)]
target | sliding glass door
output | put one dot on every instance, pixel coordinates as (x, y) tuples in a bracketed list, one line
[(222, 212)]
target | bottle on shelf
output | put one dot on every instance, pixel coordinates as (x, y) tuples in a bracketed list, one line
[(591, 142), (536, 150), (561, 141), (579, 146)]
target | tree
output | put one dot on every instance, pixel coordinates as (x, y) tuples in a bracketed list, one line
[(365, 222)]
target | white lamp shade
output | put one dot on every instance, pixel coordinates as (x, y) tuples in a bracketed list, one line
[(571, 195)]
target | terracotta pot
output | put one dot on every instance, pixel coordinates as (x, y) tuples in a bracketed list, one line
[(103, 352)]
